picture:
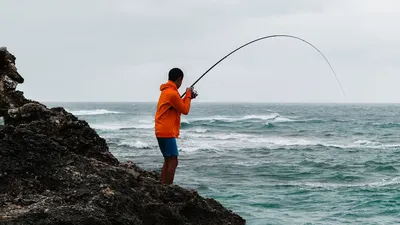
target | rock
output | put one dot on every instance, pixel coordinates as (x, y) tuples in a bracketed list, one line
[(7, 65), (55, 169), (9, 79)]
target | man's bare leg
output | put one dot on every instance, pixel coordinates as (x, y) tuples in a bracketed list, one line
[(172, 163), (164, 171)]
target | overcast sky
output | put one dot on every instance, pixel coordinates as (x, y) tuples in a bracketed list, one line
[(122, 50)]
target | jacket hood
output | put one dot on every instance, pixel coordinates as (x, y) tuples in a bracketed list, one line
[(169, 84)]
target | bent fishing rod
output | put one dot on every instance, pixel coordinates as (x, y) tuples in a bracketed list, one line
[(266, 37)]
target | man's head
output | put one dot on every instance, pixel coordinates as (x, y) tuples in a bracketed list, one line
[(176, 75)]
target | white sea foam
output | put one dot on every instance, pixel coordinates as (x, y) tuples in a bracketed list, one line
[(135, 144), (146, 121), (119, 126), (238, 141), (202, 134), (261, 117), (93, 112), (381, 183), (201, 130), (366, 144), (143, 126), (107, 126), (233, 119), (197, 147), (279, 141), (282, 119)]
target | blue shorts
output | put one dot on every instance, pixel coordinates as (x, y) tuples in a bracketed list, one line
[(168, 146)]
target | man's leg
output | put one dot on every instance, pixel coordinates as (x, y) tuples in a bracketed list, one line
[(172, 163), (161, 144), (172, 160), (169, 150), (164, 171)]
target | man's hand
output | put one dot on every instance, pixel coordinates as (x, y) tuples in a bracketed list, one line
[(189, 89), (192, 91)]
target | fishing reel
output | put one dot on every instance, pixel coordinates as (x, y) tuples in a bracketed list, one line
[(194, 94)]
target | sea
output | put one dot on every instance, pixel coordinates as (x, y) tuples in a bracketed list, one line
[(271, 163)]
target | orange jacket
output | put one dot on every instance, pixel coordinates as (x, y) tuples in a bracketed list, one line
[(169, 109)]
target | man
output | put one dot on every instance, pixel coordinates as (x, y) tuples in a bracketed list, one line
[(168, 121)]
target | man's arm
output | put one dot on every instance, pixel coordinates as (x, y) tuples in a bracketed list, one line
[(182, 105)]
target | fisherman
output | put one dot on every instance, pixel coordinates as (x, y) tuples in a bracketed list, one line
[(168, 120)]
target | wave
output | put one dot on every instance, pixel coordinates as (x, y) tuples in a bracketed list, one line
[(323, 165), (254, 121), (199, 149), (270, 117), (385, 169), (93, 112), (146, 121), (201, 131), (185, 125), (342, 144), (283, 119), (387, 125), (277, 142), (136, 144), (260, 117), (116, 126), (268, 125), (246, 142), (380, 166), (241, 141), (202, 134), (367, 143), (376, 184), (356, 144)]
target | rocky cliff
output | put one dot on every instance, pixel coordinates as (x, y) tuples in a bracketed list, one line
[(55, 169)]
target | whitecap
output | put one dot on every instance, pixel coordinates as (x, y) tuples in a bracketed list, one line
[(381, 183), (201, 130), (273, 142), (282, 119), (118, 126), (233, 119), (93, 112), (261, 117), (136, 144), (195, 147)]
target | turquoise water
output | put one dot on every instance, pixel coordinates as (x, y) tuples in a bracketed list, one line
[(272, 163)]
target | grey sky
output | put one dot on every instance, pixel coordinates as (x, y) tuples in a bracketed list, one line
[(121, 50)]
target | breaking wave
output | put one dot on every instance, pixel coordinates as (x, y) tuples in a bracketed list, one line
[(93, 112)]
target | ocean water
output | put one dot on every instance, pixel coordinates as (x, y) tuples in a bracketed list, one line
[(272, 163)]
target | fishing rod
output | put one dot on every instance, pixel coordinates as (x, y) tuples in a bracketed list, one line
[(266, 37)]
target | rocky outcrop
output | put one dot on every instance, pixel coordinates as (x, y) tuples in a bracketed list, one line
[(9, 78), (55, 169)]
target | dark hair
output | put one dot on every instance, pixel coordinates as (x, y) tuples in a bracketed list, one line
[(174, 74)]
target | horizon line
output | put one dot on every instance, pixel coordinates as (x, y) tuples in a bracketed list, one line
[(230, 102)]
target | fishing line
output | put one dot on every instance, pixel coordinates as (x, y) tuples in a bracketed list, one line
[(266, 37)]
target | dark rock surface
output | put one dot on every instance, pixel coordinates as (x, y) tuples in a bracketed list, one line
[(55, 169)]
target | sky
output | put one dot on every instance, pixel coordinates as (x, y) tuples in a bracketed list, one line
[(122, 50)]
